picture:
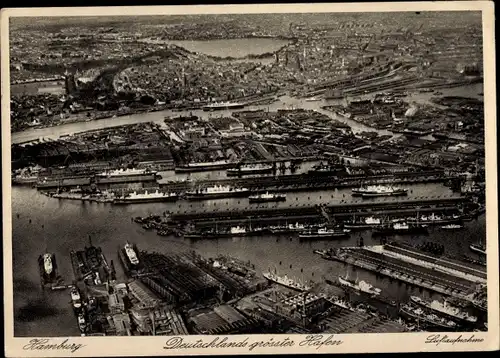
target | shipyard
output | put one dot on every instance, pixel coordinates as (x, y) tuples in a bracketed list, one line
[(244, 175)]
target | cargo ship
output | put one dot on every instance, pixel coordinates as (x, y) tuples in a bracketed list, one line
[(323, 233), (28, 175), (416, 313), (47, 265), (250, 169), (215, 192), (131, 254), (126, 176), (82, 323), (445, 309), (285, 281), (367, 223), (326, 169), (218, 106), (373, 191), (125, 173), (204, 166), (266, 197), (400, 228), (360, 286), (135, 198), (434, 219), (234, 231), (285, 229)]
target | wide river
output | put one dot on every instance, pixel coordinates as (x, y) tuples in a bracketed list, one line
[(41, 224)]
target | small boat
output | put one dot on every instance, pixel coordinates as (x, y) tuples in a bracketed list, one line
[(452, 227), (75, 298), (47, 264)]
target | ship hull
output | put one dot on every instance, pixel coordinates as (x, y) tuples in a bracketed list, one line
[(235, 172), (210, 196), (392, 231), (202, 168), (144, 200), (125, 178), (409, 315), (442, 313), (284, 284), (223, 107), (266, 200), (219, 235), (376, 195), (323, 236)]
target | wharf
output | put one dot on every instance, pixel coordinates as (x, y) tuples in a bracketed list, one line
[(420, 274), (306, 181), (395, 206)]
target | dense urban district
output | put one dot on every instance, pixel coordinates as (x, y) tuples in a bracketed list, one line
[(343, 131)]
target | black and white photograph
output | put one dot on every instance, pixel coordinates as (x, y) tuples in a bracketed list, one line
[(310, 173)]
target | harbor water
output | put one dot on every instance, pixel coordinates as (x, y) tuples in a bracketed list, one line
[(41, 224)]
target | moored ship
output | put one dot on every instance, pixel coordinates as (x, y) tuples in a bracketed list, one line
[(146, 197), (416, 313), (218, 106), (452, 227), (250, 169), (131, 254), (434, 219), (323, 233), (76, 298), (361, 286), (266, 197), (367, 223), (445, 309), (372, 191), (285, 281), (125, 173), (326, 169), (289, 228), (202, 166), (400, 228), (215, 192)]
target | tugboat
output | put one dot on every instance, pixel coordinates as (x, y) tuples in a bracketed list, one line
[(373, 191), (82, 323), (445, 309), (266, 197), (323, 233), (285, 281), (75, 298)]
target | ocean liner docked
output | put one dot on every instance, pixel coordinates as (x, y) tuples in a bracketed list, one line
[(445, 309), (146, 197), (219, 106), (216, 192), (323, 234), (126, 175), (204, 166), (373, 191), (250, 169)]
